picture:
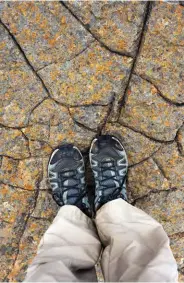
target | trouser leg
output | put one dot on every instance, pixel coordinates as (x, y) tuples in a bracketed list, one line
[(68, 251), (136, 248)]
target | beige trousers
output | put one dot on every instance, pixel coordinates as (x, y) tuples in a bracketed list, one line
[(135, 247)]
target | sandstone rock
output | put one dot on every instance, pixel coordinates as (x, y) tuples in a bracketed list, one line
[(46, 31), (93, 77), (172, 164), (116, 24), (90, 116), (144, 178), (46, 207), (13, 143), (161, 59), (20, 89), (147, 112), (28, 247), (167, 208), (137, 146), (25, 174)]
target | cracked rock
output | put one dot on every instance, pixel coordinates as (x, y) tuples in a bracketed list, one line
[(46, 31), (180, 140), (25, 174), (93, 77), (10, 199), (117, 24), (13, 143), (90, 116), (161, 59), (148, 113), (39, 148), (172, 164), (28, 247), (145, 177), (177, 246), (20, 90), (137, 146), (46, 207), (167, 208), (49, 113)]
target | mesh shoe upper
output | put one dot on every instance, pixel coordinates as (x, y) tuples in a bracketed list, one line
[(67, 177), (109, 164)]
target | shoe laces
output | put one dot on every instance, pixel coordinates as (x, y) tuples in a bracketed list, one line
[(104, 183), (73, 184)]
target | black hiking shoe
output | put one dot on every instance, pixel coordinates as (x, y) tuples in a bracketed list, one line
[(110, 165), (66, 172)]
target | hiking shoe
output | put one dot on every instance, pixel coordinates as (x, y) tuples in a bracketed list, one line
[(66, 172), (110, 165)]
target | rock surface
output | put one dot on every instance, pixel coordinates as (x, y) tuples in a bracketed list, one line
[(70, 71), (13, 143), (145, 178), (46, 31), (20, 89), (148, 113), (90, 116), (161, 59), (167, 208), (116, 24), (92, 77)]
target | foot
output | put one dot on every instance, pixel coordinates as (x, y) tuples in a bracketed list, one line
[(67, 177), (110, 165)]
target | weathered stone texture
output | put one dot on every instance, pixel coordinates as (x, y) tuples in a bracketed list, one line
[(137, 146), (28, 247), (46, 31), (20, 89), (167, 208), (180, 140), (25, 174), (148, 113), (90, 116), (172, 164), (13, 143), (117, 24), (93, 77), (145, 178), (161, 59), (45, 207)]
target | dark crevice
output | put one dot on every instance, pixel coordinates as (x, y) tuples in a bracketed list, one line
[(148, 8), (25, 58), (102, 126), (146, 158), (176, 235), (27, 141), (124, 53), (174, 189), (40, 218), (15, 187), (72, 58), (80, 124), (169, 101), (37, 105), (160, 168), (13, 128), (179, 146), (145, 135)]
